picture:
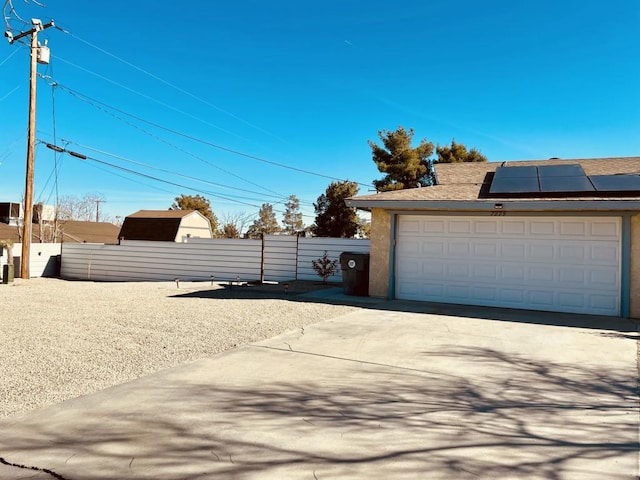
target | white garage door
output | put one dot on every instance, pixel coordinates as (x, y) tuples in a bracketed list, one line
[(563, 264)]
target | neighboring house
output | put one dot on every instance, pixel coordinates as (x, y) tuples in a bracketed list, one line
[(165, 226), (86, 232), (554, 235), (9, 232), (10, 212), (70, 231)]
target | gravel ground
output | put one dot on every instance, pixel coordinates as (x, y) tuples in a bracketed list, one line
[(62, 339)]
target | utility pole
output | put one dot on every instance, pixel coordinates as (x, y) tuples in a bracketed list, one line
[(31, 136), (98, 202)]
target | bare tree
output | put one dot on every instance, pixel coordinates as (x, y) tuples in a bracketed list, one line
[(48, 229), (85, 209), (237, 221)]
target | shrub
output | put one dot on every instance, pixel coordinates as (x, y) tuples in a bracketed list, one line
[(324, 266)]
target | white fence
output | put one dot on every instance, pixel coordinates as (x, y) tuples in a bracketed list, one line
[(43, 259), (276, 258)]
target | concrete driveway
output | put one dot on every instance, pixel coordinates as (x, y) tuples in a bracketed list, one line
[(395, 390)]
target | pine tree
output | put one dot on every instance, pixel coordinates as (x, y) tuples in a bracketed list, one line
[(199, 203), (409, 167), (292, 217), (457, 152), (266, 223), (404, 165), (333, 217)]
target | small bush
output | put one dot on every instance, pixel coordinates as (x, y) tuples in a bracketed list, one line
[(324, 267)]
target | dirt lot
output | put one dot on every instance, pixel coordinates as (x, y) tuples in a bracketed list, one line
[(62, 339)]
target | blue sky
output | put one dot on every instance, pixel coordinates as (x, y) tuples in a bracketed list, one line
[(305, 85)]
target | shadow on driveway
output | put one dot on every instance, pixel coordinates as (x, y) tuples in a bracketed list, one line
[(318, 293), (523, 419)]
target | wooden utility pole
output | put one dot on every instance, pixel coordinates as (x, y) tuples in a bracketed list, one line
[(31, 146), (98, 202), (31, 141)]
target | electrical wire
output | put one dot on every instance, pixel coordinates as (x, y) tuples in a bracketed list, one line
[(186, 152), (157, 179), (151, 177), (88, 99), (169, 84), (143, 95), (152, 167), (55, 140)]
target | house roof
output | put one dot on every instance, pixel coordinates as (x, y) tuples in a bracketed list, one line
[(9, 232), (468, 183), (73, 232), (88, 232), (161, 214), (154, 225)]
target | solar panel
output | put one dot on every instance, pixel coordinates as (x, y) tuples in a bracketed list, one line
[(616, 183), (558, 180), (573, 170), (516, 172), (514, 180), (561, 184)]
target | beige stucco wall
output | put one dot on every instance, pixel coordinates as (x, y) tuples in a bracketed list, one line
[(634, 305), (195, 225), (380, 251)]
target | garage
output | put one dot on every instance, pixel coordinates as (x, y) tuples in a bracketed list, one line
[(563, 264), (554, 235)]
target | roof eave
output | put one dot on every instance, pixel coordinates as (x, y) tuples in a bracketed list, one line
[(498, 205)]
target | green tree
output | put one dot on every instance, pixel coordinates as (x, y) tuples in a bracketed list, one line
[(457, 152), (333, 217), (229, 231), (405, 166), (292, 217), (266, 222), (409, 167), (199, 203), (364, 228)]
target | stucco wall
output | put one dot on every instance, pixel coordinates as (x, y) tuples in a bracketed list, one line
[(634, 306), (380, 250)]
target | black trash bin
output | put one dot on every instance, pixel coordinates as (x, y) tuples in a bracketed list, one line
[(355, 273)]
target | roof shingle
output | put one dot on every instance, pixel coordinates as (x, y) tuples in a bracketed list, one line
[(470, 181)]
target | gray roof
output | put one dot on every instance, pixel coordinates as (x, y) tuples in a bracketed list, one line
[(467, 184)]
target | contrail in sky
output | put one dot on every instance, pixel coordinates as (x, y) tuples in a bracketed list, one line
[(14, 89)]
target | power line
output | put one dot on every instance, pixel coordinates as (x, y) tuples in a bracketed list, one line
[(89, 99), (151, 177), (143, 175), (152, 167), (143, 95), (279, 195), (169, 84), (55, 140)]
